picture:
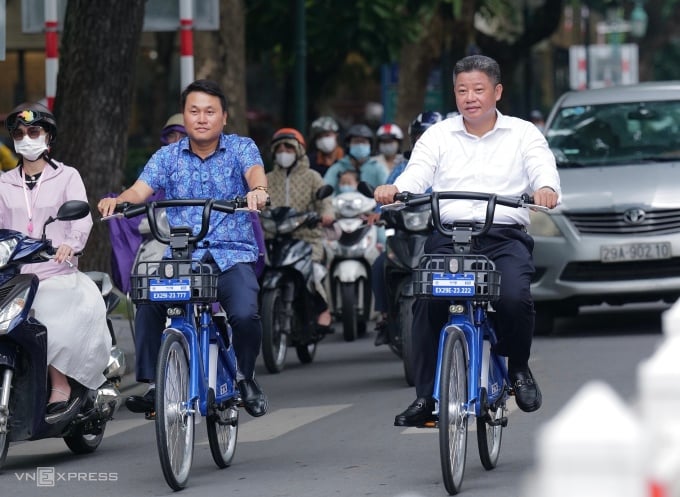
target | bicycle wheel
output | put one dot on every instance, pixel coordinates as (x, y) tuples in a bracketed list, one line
[(174, 422), (222, 434), (453, 417), (274, 340)]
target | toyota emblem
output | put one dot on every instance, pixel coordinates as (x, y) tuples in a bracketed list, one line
[(634, 216)]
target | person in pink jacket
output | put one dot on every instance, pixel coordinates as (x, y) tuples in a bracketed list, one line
[(68, 302)]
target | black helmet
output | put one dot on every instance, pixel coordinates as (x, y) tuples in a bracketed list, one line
[(360, 130), (422, 121), (32, 114)]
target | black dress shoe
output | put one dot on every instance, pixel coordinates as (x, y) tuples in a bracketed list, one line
[(254, 399), (142, 403), (417, 414), (381, 334), (527, 394)]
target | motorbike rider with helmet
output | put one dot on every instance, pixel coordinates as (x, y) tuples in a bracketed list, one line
[(324, 148), (415, 130), (359, 144), (294, 184), (67, 301), (390, 139)]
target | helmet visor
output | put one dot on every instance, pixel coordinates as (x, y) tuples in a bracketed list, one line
[(27, 117)]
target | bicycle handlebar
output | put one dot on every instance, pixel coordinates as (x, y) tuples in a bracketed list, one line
[(128, 210)]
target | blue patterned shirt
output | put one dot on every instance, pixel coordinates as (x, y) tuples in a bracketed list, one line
[(183, 174)]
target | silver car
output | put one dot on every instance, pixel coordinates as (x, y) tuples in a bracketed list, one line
[(615, 238)]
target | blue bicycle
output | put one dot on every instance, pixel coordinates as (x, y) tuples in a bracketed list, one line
[(197, 371), (471, 380)]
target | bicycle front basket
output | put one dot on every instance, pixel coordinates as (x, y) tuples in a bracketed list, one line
[(173, 281), (454, 277)]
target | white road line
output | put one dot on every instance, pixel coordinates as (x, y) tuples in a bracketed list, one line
[(282, 421)]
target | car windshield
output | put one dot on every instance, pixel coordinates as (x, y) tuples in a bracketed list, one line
[(601, 135)]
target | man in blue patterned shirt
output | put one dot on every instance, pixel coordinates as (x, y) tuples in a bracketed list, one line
[(207, 164)]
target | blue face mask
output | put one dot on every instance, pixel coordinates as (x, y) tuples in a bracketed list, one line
[(360, 151), (346, 188)]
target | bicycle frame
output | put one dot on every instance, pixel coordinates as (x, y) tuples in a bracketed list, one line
[(473, 322), (204, 346)]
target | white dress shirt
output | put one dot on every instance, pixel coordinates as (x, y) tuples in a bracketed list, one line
[(511, 159)]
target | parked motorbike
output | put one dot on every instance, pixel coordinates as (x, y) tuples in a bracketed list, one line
[(404, 246), (24, 388), (353, 254), (287, 289)]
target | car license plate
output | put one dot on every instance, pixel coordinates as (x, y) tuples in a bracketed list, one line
[(450, 284), (635, 252), (169, 290)]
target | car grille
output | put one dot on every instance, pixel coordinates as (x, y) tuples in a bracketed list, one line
[(621, 271), (654, 222)]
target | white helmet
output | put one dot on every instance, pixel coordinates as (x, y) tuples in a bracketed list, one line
[(391, 131)]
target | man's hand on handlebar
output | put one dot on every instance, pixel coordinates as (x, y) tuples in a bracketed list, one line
[(106, 206), (546, 196), (384, 194)]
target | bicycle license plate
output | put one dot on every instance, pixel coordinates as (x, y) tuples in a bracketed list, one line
[(453, 284), (169, 289)]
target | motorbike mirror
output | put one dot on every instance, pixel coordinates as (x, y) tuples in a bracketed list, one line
[(69, 211), (324, 192), (365, 189)]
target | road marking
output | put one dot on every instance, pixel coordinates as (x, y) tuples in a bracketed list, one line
[(282, 421)]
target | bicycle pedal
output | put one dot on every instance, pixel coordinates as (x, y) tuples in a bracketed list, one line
[(150, 416)]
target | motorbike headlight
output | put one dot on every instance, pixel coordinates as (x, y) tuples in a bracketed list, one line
[(12, 309), (6, 249), (416, 221), (542, 225), (349, 225), (268, 224)]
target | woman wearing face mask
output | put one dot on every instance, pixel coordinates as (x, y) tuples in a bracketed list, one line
[(359, 141), (292, 183), (68, 302), (324, 150), (390, 138)]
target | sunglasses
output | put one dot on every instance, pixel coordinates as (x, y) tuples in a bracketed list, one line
[(33, 132)]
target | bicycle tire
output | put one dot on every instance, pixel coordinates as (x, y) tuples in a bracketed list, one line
[(490, 421), (222, 427), (174, 423), (453, 420), (274, 340)]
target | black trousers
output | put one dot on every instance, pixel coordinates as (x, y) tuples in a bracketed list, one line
[(237, 292), (511, 250)]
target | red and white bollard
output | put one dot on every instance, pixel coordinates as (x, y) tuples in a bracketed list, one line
[(51, 52), (186, 43)]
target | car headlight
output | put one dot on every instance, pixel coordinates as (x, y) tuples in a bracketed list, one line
[(542, 225), (12, 309), (6, 249)]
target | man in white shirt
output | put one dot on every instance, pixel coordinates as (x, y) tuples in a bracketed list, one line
[(480, 150)]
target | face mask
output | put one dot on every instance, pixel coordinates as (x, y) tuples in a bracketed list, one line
[(360, 151), (31, 148), (326, 144), (346, 188), (389, 149), (286, 159)]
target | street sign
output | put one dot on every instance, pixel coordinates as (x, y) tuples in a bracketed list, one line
[(606, 65)]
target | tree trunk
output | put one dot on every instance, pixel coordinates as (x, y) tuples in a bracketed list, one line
[(221, 56), (99, 49)]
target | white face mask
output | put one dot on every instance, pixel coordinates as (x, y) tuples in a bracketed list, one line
[(286, 159), (389, 149), (31, 148), (326, 144)]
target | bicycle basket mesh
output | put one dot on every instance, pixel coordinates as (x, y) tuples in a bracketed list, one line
[(452, 277), (197, 281)]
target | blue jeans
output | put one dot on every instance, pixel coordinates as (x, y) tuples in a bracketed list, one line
[(237, 292)]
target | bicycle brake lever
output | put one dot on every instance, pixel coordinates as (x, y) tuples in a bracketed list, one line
[(395, 206), (115, 215)]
